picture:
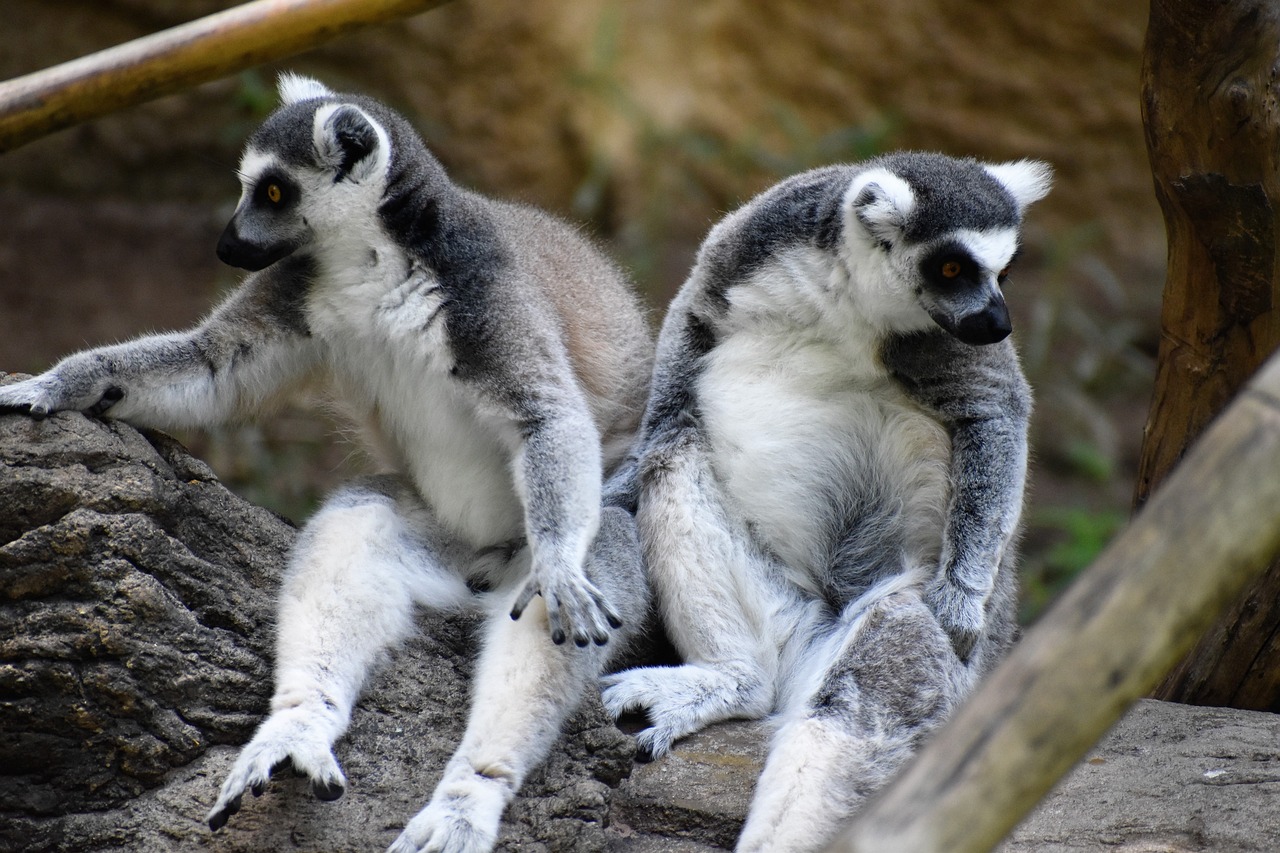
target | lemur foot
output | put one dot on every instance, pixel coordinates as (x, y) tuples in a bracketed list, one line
[(462, 817), (679, 700), (291, 736)]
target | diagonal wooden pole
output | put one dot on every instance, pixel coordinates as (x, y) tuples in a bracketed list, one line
[(1204, 535), (40, 103)]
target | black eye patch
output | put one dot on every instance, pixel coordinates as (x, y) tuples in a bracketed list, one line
[(949, 267), (274, 192)]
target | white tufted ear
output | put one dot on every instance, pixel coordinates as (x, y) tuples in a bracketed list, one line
[(1026, 180), (882, 202), (348, 141), (294, 87)]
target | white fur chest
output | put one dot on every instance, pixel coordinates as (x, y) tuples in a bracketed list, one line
[(390, 358), (805, 423)]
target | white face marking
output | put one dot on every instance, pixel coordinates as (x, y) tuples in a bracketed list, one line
[(992, 249), (252, 165)]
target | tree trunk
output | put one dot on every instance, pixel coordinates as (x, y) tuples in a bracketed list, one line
[(1211, 80)]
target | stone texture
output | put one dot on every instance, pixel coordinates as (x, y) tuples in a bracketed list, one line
[(135, 645), (136, 601), (697, 795), (1168, 778)]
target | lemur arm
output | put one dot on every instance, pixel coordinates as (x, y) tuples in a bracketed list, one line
[(981, 396), (509, 351), (228, 366), (558, 476), (988, 470)]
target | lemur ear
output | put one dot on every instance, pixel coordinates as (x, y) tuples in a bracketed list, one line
[(882, 202), (346, 140), (294, 87), (1027, 181)]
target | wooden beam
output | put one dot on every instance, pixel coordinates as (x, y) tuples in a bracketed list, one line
[(1203, 536), (40, 103)]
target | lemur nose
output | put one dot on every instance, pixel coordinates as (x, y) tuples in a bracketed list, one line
[(988, 326)]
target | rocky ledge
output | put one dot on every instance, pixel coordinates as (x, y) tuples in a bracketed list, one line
[(135, 640)]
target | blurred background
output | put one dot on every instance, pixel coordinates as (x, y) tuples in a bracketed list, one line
[(644, 120)]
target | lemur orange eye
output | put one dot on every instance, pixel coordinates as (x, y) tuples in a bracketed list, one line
[(274, 193), (950, 269), (1003, 274)]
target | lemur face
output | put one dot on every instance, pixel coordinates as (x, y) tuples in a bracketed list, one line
[(313, 167), (959, 283), (949, 231)]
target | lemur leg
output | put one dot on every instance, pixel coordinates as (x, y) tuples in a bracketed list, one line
[(891, 679), (524, 689), (717, 602), (348, 594)]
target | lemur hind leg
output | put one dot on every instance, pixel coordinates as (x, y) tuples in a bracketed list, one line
[(524, 689), (892, 677), (718, 604), (359, 567)]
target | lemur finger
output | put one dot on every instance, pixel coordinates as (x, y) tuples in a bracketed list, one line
[(526, 595), (554, 618), (652, 743), (611, 616)]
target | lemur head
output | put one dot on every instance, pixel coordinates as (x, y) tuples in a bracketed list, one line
[(948, 230), (315, 167)]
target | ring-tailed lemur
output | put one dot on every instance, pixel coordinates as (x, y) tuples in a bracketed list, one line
[(830, 473), (497, 364)]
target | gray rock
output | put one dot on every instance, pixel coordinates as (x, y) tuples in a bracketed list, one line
[(136, 600), (1170, 778)]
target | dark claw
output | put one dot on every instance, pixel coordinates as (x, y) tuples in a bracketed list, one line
[(327, 791), (259, 789), (515, 613), (580, 640), (643, 755), (600, 639), (614, 622), (219, 820), (557, 637)]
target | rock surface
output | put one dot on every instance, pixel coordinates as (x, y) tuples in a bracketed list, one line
[(1167, 778), (135, 646), (136, 600)]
